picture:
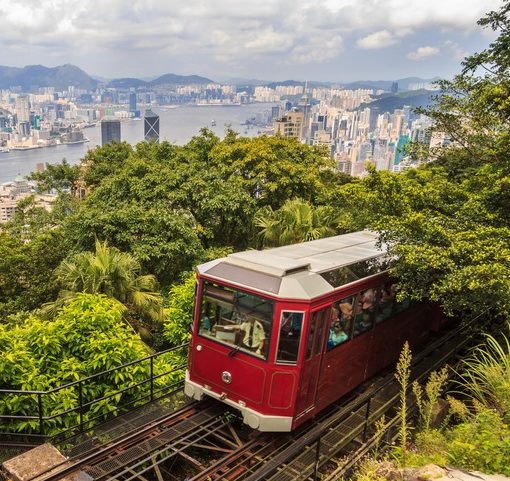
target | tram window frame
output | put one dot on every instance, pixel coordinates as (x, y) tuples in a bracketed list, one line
[(394, 307), (311, 336), (343, 318), (221, 306), (289, 335), (360, 313)]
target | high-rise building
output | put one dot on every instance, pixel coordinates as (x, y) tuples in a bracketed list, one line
[(151, 126), (290, 125), (22, 109), (24, 129), (110, 130), (132, 102)]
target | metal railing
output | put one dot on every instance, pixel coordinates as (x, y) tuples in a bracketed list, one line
[(78, 406)]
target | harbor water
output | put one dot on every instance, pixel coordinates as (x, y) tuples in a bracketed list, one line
[(177, 125)]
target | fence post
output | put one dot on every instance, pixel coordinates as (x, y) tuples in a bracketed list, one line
[(367, 413), (80, 400), (152, 378), (40, 409)]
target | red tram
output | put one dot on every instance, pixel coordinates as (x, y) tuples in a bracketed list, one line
[(280, 334)]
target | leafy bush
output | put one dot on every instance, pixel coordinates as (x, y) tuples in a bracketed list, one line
[(86, 338), (482, 444), (179, 314)]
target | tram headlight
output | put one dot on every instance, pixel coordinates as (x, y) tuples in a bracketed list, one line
[(226, 377)]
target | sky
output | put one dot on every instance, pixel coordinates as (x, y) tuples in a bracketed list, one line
[(326, 40)]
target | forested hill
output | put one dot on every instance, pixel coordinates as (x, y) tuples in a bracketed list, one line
[(390, 102), (32, 77)]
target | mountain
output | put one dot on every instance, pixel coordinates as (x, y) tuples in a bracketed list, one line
[(390, 102), (127, 83), (403, 83), (294, 83), (243, 81), (172, 79), (33, 77)]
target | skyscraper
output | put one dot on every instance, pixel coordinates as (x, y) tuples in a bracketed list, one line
[(23, 109), (132, 102), (110, 130), (151, 126)]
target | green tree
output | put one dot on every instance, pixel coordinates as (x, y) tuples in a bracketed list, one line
[(135, 209), (62, 176), (101, 162), (26, 270), (448, 222), (168, 205), (296, 221), (113, 273), (179, 313)]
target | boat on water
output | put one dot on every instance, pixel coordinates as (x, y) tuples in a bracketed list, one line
[(4, 150), (73, 142), (218, 104), (26, 147)]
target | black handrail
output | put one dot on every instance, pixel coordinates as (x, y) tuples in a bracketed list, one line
[(148, 392)]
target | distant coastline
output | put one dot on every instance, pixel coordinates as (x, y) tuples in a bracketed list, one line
[(178, 124)]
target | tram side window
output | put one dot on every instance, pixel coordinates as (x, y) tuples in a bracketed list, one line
[(365, 310), (386, 303), (291, 324), (340, 322)]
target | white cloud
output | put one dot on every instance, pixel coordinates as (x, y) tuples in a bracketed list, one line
[(285, 32), (422, 52), (380, 39)]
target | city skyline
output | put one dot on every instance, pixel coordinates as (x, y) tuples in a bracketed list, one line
[(326, 40)]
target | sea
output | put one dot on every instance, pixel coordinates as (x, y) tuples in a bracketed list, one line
[(177, 125)]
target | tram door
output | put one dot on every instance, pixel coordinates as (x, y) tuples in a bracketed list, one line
[(310, 369)]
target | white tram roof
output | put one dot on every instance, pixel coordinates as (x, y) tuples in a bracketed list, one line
[(302, 271)]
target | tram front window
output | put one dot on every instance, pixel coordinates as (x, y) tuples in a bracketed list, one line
[(236, 318)]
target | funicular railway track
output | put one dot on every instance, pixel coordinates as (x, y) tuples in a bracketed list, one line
[(202, 438)]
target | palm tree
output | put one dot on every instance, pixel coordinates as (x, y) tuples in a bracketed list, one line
[(296, 221), (113, 273)]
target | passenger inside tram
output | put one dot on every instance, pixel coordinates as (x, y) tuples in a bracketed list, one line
[(365, 311), (336, 335), (386, 301), (253, 336)]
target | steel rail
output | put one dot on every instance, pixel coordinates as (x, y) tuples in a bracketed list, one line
[(120, 443)]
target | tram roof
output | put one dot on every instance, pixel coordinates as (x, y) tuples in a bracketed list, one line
[(305, 270)]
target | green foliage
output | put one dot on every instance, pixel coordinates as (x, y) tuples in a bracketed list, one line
[(167, 204), (485, 374), (430, 447), (113, 273), (481, 444), (179, 313), (403, 373), (370, 470), (26, 279), (296, 221), (87, 337), (426, 401), (60, 177), (102, 162)]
